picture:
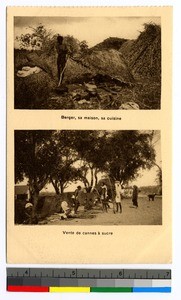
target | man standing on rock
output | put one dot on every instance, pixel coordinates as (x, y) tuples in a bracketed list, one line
[(61, 58)]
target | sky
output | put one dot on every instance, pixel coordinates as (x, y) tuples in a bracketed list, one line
[(92, 29)]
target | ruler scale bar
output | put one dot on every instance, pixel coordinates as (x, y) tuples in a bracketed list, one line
[(88, 280), (88, 273)]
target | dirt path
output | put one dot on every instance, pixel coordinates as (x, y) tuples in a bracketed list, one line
[(148, 213)]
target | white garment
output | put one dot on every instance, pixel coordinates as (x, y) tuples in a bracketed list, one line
[(27, 71), (28, 205), (118, 190), (64, 206), (118, 198), (66, 210)]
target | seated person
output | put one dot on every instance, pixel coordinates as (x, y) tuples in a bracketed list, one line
[(67, 212)]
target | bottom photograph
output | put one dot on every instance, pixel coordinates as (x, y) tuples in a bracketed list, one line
[(87, 177)]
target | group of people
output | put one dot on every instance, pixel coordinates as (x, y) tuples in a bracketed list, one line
[(117, 196), (71, 209)]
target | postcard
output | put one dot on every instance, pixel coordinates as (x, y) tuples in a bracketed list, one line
[(89, 121)]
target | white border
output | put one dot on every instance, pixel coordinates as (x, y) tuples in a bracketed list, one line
[(176, 266)]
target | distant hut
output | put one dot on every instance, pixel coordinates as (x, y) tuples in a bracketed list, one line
[(22, 192)]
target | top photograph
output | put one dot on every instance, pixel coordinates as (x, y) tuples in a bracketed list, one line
[(105, 63)]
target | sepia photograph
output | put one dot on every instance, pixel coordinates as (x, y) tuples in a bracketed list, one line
[(107, 63), (88, 177)]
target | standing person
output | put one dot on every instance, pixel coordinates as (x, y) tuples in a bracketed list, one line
[(104, 196), (76, 199), (61, 58), (118, 192), (135, 196)]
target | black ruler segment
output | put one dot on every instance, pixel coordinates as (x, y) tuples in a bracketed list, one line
[(36, 273)]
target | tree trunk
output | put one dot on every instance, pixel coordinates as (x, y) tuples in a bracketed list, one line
[(61, 187), (159, 176), (55, 185), (96, 178), (92, 177), (85, 182), (35, 196)]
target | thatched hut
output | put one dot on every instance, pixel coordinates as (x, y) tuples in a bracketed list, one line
[(144, 54), (109, 64)]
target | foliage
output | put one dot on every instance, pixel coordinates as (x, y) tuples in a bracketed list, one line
[(37, 39), (73, 45), (64, 171), (34, 158), (45, 40), (83, 47), (130, 151), (159, 178), (62, 157), (120, 154)]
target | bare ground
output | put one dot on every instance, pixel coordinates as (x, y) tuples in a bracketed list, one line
[(147, 213)]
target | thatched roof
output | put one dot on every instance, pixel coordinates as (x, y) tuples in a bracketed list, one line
[(110, 43), (109, 63), (144, 54), (126, 47)]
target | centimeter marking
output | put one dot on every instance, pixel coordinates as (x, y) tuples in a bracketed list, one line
[(88, 280), (164, 274)]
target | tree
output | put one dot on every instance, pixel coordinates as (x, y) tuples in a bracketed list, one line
[(159, 178), (34, 159), (62, 157), (154, 140), (89, 145), (43, 39), (75, 159), (129, 151), (37, 39), (64, 171), (72, 44), (119, 154)]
